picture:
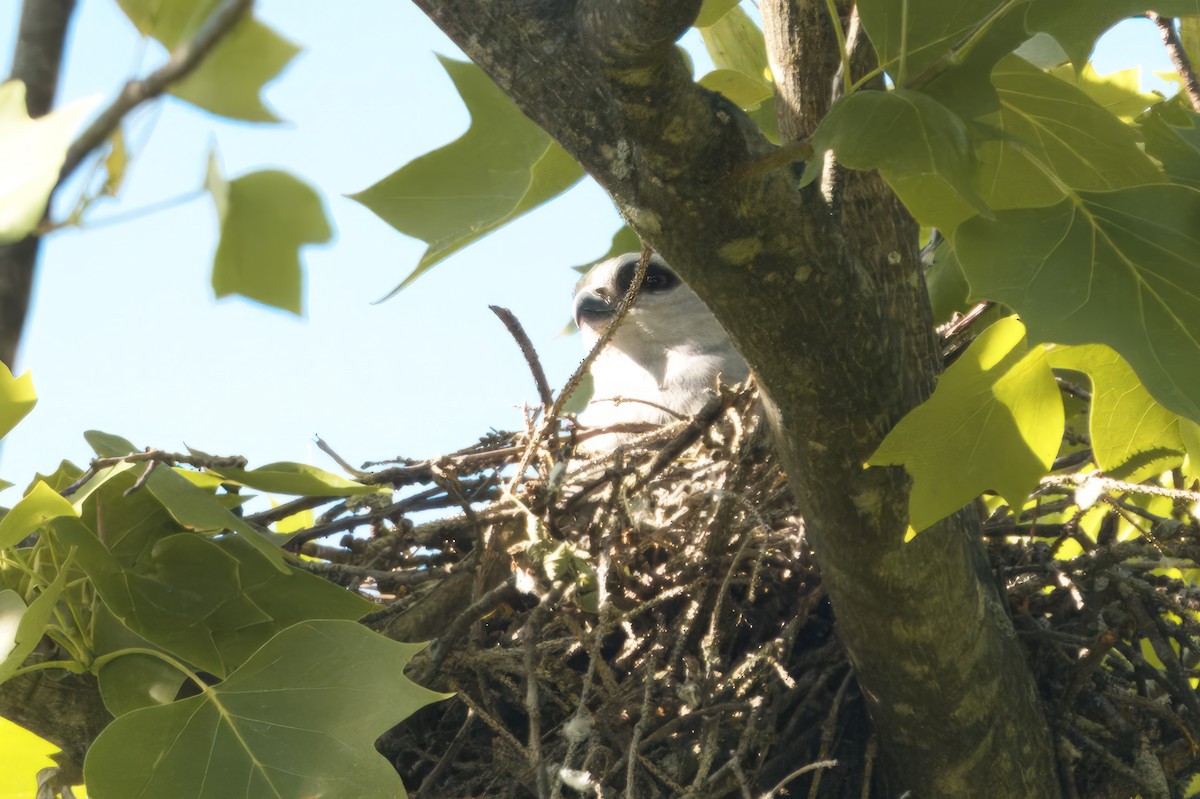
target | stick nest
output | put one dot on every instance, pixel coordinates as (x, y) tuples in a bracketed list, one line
[(651, 623)]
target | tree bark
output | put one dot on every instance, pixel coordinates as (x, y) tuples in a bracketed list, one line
[(36, 62), (823, 295)]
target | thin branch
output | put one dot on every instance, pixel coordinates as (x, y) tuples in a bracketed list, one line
[(183, 60), (1179, 57), (531, 357)]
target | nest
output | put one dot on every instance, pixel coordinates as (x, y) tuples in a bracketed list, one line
[(650, 622)]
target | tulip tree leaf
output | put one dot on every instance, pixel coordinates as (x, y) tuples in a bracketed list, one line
[(134, 680), (994, 422), (296, 478), (298, 719), (228, 81), (1131, 434), (17, 396), (742, 90), (32, 152), (1119, 268), (1077, 26), (1172, 133), (503, 167), (265, 217), (736, 44), (1120, 93), (197, 509), (39, 506), (912, 35), (1048, 124), (21, 627), (711, 12), (918, 145)]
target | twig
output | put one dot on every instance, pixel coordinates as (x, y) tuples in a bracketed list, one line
[(820, 764), (183, 60), (156, 456), (1179, 57), (531, 357), (1118, 486), (328, 450)]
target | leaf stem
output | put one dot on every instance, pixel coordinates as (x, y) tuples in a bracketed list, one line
[(108, 657), (843, 49)]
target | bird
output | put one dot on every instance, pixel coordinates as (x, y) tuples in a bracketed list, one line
[(663, 361)]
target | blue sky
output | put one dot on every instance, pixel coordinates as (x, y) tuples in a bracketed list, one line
[(125, 335)]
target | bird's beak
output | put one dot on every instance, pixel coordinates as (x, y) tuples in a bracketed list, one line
[(592, 309)]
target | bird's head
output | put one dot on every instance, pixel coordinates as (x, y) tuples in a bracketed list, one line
[(665, 313)]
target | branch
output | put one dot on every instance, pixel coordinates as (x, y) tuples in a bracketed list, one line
[(183, 60), (1179, 57), (36, 62)]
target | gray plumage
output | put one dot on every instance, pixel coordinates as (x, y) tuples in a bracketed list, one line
[(668, 350)]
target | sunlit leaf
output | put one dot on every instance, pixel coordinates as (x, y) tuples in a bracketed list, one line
[(230, 78), (265, 218), (21, 628), (1047, 124), (1077, 27), (31, 155), (713, 10), (1126, 426), (913, 35), (994, 422), (919, 147), (1119, 268), (503, 167), (742, 90), (297, 478), (22, 755), (736, 43), (1120, 93), (298, 719), (17, 396), (39, 506)]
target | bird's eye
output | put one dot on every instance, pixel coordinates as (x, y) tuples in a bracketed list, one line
[(659, 278)]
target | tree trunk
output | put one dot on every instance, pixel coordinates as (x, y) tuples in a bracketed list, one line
[(821, 290)]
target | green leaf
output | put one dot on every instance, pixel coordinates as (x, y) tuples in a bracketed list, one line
[(39, 506), (917, 144), (743, 91), (230, 77), (1046, 123), (197, 509), (503, 167), (297, 478), (21, 627), (1125, 423), (1119, 268), (32, 152), (995, 421), (1077, 26), (131, 681), (1172, 132), (108, 445), (711, 12), (298, 719), (912, 35), (735, 43), (947, 285), (17, 396), (265, 218), (1119, 92)]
